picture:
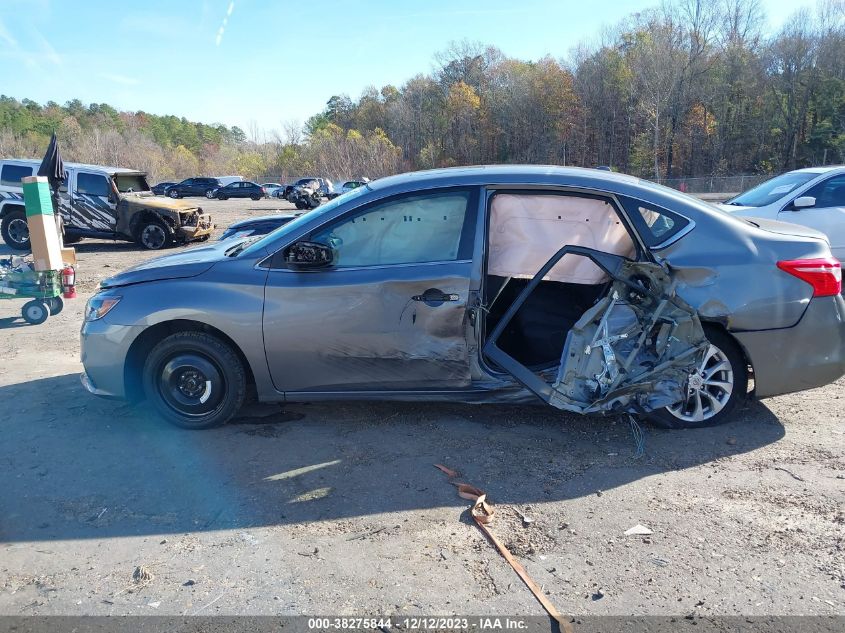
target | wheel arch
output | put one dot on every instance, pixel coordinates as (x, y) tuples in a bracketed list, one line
[(719, 326), (10, 207), (149, 338), (147, 215)]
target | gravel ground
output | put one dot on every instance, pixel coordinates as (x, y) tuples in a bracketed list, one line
[(337, 508)]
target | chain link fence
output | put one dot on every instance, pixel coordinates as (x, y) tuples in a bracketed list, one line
[(715, 184)]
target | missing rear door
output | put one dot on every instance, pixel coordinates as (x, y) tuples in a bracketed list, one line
[(573, 316)]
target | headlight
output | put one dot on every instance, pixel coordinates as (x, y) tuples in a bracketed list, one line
[(98, 307)]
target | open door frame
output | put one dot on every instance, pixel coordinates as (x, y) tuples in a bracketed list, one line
[(672, 366)]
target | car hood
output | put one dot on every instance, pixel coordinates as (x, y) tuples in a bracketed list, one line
[(732, 208), (149, 199), (258, 220), (189, 263)]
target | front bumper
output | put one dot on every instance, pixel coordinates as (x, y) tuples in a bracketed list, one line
[(104, 348), (807, 355), (204, 226)]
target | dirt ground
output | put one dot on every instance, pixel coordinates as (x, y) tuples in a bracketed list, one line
[(337, 509)]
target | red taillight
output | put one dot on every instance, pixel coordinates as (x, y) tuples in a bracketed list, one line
[(823, 274)]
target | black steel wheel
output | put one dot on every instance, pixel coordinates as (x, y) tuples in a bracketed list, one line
[(154, 234), (194, 380), (15, 231)]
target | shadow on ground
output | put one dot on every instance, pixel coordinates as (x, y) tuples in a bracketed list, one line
[(77, 467)]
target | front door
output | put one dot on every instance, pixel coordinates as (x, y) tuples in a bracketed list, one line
[(828, 214), (390, 313), (91, 208)]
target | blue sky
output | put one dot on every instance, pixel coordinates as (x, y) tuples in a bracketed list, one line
[(230, 61)]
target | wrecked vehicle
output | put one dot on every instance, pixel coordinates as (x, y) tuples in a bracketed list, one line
[(305, 194), (102, 202), (591, 291)]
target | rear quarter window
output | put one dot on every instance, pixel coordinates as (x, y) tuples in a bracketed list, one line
[(655, 224), (11, 175)]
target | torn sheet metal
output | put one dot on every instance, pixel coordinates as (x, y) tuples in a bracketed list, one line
[(636, 350), (633, 351)]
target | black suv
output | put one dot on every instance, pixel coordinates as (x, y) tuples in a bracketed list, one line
[(244, 189), (194, 187)]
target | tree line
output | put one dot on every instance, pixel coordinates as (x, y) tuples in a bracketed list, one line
[(690, 88)]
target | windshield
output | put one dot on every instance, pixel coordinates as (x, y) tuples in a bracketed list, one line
[(772, 190), (132, 182), (260, 245)]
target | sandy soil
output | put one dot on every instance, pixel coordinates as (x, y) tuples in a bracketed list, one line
[(338, 508)]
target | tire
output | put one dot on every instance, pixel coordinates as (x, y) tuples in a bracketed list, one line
[(15, 231), (222, 197), (56, 305), (35, 312), (71, 239), (173, 193), (154, 235), (209, 193), (299, 204), (726, 385), (256, 198), (194, 380)]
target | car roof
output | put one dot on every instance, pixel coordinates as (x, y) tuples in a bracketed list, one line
[(103, 168), (491, 174), (818, 170)]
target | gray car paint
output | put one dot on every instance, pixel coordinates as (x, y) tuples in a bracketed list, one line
[(727, 267)]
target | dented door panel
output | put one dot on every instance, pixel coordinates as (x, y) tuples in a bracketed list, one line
[(635, 350), (377, 328)]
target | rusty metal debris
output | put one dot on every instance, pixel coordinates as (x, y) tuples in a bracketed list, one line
[(482, 513)]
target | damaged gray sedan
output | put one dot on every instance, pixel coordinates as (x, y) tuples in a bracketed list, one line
[(593, 292)]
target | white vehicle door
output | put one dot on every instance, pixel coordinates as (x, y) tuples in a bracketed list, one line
[(828, 214)]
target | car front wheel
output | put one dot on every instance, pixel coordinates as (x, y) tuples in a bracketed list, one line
[(173, 193), (194, 380), (154, 235), (719, 383)]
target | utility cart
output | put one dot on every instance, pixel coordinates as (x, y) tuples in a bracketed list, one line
[(44, 289)]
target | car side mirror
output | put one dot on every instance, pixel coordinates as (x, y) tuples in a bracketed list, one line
[(309, 256), (804, 202)]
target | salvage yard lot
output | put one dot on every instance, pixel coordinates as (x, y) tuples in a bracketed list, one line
[(337, 508)]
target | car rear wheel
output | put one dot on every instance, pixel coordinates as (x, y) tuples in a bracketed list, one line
[(255, 197), (713, 390), (194, 380), (15, 231), (154, 235)]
